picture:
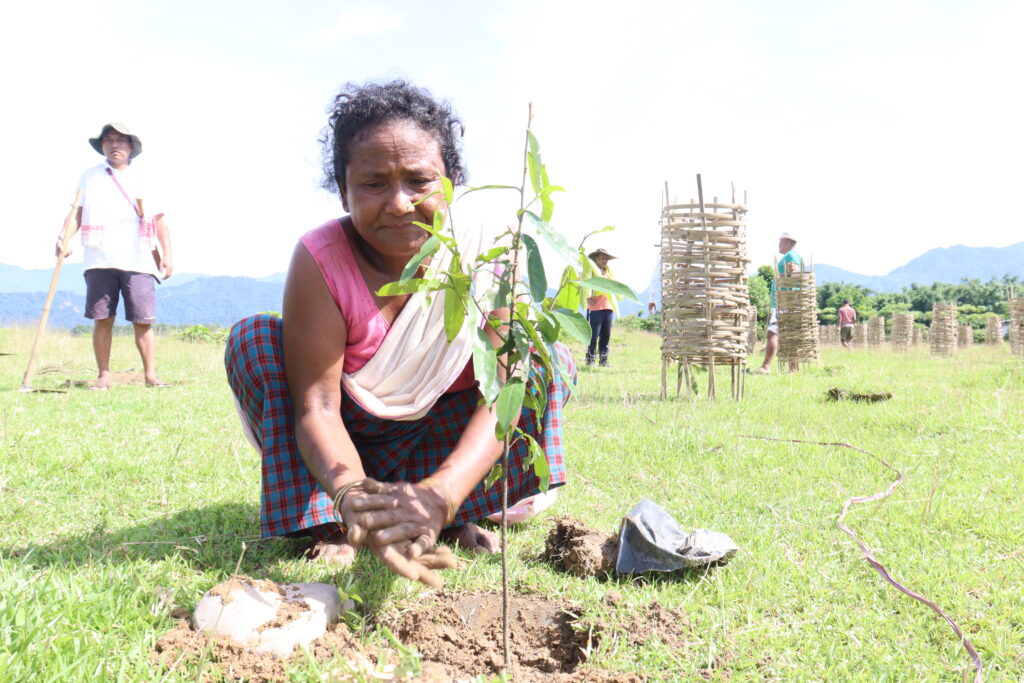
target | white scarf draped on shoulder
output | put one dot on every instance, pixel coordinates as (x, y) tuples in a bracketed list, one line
[(415, 364)]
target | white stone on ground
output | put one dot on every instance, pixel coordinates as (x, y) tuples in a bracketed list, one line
[(248, 607)]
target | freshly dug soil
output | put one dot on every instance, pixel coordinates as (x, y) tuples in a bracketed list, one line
[(462, 632), (579, 550)]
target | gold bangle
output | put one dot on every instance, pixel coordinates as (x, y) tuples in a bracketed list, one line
[(442, 491), (339, 497)]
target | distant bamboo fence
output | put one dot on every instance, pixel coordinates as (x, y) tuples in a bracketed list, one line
[(993, 330), (965, 336), (876, 332), (943, 332), (902, 331), (705, 300), (1017, 325), (796, 302), (917, 335)]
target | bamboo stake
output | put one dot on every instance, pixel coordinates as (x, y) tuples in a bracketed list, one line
[(65, 235)]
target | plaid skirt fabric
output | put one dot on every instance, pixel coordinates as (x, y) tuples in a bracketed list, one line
[(292, 500)]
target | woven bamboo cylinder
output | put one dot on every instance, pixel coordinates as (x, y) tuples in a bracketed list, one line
[(876, 332), (751, 330), (993, 330), (965, 336), (917, 336), (706, 310), (860, 334), (1017, 326), (903, 331), (943, 332), (796, 300)]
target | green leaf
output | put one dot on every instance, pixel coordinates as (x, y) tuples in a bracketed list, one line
[(606, 286), (415, 284), (533, 163), (485, 366), (568, 291), (539, 461), (548, 326), (493, 476), (574, 323), (553, 237), (488, 187), (491, 254), (439, 216), (597, 232), (535, 269), (546, 202), (540, 348), (509, 406), (454, 312), (426, 251), (449, 191), (448, 241)]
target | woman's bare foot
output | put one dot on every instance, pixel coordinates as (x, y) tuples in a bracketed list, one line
[(334, 549), (473, 538), (102, 381)]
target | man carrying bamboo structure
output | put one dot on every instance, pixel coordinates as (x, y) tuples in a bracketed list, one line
[(791, 262), (121, 257)]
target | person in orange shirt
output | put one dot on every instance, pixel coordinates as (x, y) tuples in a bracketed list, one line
[(600, 309)]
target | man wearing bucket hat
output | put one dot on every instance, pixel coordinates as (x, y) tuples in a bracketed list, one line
[(120, 235), (600, 308), (790, 262)]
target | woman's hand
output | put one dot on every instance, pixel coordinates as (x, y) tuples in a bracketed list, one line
[(400, 523)]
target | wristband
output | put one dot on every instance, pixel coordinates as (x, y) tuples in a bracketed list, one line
[(442, 491), (339, 498)]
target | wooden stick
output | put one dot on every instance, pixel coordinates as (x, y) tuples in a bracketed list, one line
[(65, 235)]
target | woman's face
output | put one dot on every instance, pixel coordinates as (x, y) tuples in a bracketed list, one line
[(601, 260), (391, 167)]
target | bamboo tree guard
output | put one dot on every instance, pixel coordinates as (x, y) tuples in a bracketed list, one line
[(916, 338), (751, 330), (796, 300), (1017, 325), (993, 330), (965, 336), (705, 300), (876, 332), (904, 334), (943, 333), (860, 334)]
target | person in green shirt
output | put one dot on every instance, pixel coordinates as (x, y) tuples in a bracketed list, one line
[(790, 262)]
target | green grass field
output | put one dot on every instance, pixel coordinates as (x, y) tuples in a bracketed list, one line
[(116, 507)]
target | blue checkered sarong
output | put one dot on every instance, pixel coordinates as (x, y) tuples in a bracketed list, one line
[(293, 501)]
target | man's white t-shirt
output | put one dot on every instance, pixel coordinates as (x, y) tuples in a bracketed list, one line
[(111, 218)]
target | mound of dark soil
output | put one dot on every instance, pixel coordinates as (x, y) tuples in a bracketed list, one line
[(462, 632), (580, 550)]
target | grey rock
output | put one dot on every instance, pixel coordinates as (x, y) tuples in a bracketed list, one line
[(266, 617)]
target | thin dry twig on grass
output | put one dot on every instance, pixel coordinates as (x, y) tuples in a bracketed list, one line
[(878, 566)]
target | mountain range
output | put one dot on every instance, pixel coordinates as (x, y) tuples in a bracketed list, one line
[(193, 298)]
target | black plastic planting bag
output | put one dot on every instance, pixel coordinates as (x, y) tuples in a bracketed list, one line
[(651, 541)]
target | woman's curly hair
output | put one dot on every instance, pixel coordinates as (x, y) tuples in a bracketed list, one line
[(359, 106)]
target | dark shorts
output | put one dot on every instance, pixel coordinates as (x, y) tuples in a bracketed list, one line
[(846, 333), (103, 287)]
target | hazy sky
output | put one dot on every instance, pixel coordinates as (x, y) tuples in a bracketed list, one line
[(872, 130)]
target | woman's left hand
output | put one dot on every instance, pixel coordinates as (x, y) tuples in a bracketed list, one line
[(400, 523)]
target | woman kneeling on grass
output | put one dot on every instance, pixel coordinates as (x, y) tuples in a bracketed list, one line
[(369, 423)]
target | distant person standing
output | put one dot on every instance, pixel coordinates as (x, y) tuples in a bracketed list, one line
[(120, 234), (600, 309), (791, 262), (847, 319)]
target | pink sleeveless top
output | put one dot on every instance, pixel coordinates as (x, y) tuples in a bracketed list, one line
[(367, 328)]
